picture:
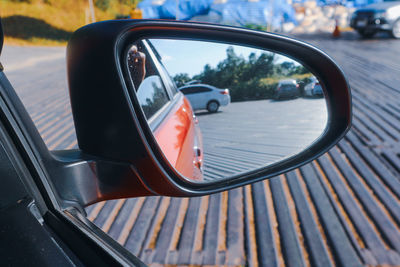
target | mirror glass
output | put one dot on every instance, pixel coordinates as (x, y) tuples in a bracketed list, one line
[(218, 110)]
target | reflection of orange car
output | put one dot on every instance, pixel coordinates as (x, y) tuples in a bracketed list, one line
[(170, 117)]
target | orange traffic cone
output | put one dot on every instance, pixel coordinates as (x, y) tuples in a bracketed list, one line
[(336, 31)]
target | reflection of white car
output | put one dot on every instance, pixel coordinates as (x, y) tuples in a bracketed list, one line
[(204, 96), (313, 88)]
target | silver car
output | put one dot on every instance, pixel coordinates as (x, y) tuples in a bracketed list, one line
[(204, 96), (313, 88)]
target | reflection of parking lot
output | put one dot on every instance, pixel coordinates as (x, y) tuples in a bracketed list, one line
[(248, 135)]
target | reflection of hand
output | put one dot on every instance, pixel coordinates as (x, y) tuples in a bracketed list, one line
[(137, 65)]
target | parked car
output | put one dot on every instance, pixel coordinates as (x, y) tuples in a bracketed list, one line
[(43, 193), (287, 89), (313, 88), (384, 16), (204, 96)]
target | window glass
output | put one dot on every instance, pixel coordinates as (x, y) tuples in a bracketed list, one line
[(151, 95), (150, 89), (201, 89), (188, 90), (170, 83)]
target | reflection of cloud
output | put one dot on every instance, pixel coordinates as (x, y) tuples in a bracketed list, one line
[(166, 58), (282, 58)]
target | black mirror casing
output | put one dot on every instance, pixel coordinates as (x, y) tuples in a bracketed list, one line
[(111, 127)]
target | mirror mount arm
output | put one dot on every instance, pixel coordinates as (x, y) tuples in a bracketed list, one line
[(82, 180)]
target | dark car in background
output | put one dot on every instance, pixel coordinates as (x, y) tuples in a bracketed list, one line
[(384, 16), (287, 89)]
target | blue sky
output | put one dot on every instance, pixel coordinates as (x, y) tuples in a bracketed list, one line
[(183, 56)]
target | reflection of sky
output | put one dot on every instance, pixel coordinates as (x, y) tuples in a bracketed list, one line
[(183, 56), (147, 88)]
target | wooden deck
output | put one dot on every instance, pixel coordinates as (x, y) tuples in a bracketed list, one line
[(342, 209)]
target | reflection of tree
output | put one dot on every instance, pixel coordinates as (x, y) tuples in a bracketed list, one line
[(240, 75), (249, 78), (181, 78), (289, 69), (157, 100), (182, 127)]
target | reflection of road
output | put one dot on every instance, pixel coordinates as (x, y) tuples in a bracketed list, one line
[(249, 135)]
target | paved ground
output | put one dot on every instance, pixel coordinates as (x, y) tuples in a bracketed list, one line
[(248, 135), (342, 209)]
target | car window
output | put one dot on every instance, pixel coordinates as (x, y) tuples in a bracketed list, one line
[(287, 86), (188, 90), (201, 89), (170, 83), (195, 90), (151, 95), (150, 90)]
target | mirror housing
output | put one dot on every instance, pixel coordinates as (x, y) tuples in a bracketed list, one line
[(112, 128)]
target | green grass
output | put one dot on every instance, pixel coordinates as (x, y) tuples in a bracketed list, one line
[(273, 80)]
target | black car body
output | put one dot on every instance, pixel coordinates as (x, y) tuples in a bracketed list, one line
[(384, 16)]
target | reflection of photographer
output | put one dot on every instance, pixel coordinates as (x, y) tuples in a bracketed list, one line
[(137, 65)]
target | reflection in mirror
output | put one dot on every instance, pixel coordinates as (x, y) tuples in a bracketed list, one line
[(218, 110)]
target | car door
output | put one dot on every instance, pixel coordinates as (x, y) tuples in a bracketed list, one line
[(190, 93), (170, 115), (201, 96), (35, 230)]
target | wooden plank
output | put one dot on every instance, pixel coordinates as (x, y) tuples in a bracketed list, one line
[(267, 252), (383, 121), (166, 232), (212, 230), (373, 161), (104, 213), (148, 249), (387, 228), (289, 239), (372, 139), (112, 215), (374, 128), (188, 235), (344, 219), (235, 228), (392, 158), (118, 224), (391, 203), (313, 239), (341, 245), (378, 113), (367, 232), (250, 222), (139, 231)]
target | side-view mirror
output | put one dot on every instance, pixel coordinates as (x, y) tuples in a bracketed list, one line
[(238, 109), (188, 109)]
